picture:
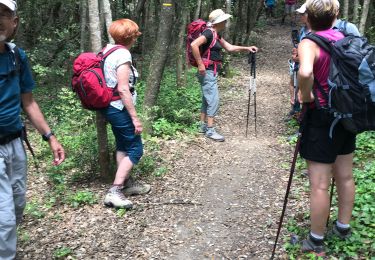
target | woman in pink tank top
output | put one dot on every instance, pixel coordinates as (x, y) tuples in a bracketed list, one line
[(326, 157)]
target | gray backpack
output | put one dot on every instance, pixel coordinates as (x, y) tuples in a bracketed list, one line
[(351, 81)]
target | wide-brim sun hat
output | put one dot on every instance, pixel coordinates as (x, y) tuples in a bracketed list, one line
[(218, 16), (11, 4), (302, 9)]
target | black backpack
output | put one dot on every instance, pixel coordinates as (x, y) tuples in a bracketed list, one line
[(351, 81)]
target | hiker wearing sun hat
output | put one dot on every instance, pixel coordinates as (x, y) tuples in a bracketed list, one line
[(16, 86), (211, 40), (11, 4)]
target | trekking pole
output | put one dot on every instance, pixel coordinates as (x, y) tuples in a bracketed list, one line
[(296, 105), (252, 91), (292, 169), (27, 142)]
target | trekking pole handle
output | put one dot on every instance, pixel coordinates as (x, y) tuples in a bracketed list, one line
[(252, 61)]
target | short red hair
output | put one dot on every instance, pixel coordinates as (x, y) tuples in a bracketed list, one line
[(123, 31)]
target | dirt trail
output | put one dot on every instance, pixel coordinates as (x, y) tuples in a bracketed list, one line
[(220, 200)]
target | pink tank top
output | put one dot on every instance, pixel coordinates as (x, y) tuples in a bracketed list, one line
[(321, 66), (290, 2)]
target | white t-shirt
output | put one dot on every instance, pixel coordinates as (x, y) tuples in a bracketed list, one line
[(112, 62)]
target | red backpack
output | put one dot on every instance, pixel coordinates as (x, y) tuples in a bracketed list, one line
[(88, 80), (194, 30)]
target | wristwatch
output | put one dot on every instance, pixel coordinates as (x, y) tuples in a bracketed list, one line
[(47, 136)]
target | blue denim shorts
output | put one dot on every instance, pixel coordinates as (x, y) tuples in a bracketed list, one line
[(210, 93), (123, 129)]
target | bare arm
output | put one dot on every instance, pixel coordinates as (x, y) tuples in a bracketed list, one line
[(195, 50), (235, 48), (36, 117), (308, 51), (123, 72)]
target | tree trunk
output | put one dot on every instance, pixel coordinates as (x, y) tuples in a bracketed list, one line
[(237, 36), (180, 61), (226, 35), (83, 24), (158, 61), (96, 45), (107, 15), (345, 12), (355, 12), (198, 9), (138, 11), (365, 8)]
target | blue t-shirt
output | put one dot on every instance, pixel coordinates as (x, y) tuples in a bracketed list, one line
[(303, 32), (13, 82), (269, 3), (349, 27)]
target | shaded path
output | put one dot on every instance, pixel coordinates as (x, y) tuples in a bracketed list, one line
[(220, 200)]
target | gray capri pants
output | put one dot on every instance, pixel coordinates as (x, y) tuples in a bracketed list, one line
[(210, 93), (13, 169)]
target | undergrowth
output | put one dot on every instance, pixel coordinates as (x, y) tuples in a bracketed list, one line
[(361, 245)]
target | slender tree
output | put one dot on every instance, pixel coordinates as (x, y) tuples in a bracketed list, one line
[(96, 45), (345, 12), (180, 44), (198, 9), (107, 17), (83, 8), (159, 59), (355, 12), (365, 8)]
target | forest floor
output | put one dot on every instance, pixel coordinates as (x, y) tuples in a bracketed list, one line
[(217, 201)]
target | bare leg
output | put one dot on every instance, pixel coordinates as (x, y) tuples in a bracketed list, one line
[(124, 165), (203, 117), (210, 121), (343, 173), (320, 176)]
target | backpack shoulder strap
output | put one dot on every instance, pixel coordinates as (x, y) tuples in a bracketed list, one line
[(16, 55), (104, 56), (321, 41), (214, 38)]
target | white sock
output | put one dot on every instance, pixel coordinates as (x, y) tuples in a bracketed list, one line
[(317, 237), (343, 226)]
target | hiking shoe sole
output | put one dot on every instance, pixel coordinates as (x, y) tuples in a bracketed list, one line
[(111, 205), (308, 246)]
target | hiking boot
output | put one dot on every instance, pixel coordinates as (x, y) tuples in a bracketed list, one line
[(312, 245), (115, 198), (202, 128), (133, 187), (342, 233), (212, 134)]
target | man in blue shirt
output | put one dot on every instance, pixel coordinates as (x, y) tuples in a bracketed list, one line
[(270, 5), (16, 85)]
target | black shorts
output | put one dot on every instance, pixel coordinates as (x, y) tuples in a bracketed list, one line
[(317, 146)]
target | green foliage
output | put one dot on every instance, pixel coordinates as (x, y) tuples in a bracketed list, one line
[(370, 34), (34, 210), (177, 108), (62, 252), (80, 198), (120, 212), (361, 245)]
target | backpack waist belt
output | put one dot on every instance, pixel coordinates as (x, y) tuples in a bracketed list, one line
[(8, 138), (210, 62)]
